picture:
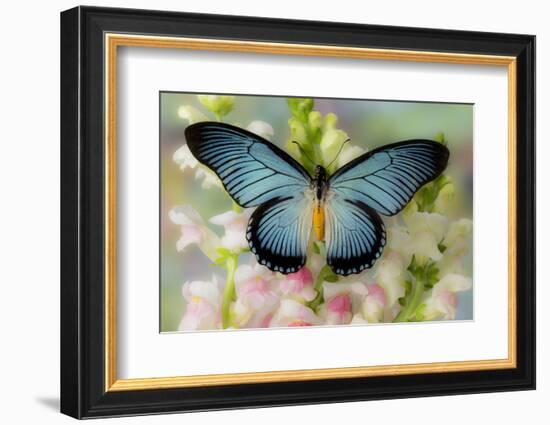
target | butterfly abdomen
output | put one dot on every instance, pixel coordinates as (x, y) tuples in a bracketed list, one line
[(319, 220)]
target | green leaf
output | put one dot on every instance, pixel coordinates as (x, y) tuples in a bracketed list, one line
[(408, 287), (331, 278)]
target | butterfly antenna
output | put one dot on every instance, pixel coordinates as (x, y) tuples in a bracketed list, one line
[(303, 152), (338, 154)]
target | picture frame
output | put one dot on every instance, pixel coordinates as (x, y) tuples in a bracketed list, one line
[(90, 40)]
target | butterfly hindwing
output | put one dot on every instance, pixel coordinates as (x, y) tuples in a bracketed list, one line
[(252, 170), (278, 232), (386, 178), (355, 235)]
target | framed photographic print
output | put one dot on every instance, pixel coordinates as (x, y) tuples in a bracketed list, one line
[(261, 212)]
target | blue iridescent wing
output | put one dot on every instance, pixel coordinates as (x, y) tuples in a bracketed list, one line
[(278, 232), (252, 170), (355, 235), (386, 178)]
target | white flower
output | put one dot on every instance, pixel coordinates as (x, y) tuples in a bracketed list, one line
[(315, 262), (203, 305), (261, 128), (457, 244), (445, 197), (194, 231), (235, 225), (209, 179), (426, 231), (292, 313), (256, 299), (457, 235), (441, 303), (399, 242), (390, 275), (349, 153), (191, 114), (374, 304), (185, 159)]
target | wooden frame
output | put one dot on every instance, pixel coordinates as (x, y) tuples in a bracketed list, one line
[(89, 41)]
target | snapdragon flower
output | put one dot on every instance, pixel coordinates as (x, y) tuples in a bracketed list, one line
[(256, 299), (194, 231), (342, 299), (374, 304), (291, 313), (203, 305), (218, 105), (235, 225), (441, 302), (262, 129), (298, 285), (185, 159)]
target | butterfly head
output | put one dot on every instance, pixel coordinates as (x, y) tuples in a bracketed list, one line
[(320, 173)]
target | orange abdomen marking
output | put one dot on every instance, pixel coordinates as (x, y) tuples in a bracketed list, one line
[(319, 221)]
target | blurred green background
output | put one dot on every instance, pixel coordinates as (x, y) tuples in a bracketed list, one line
[(369, 123)]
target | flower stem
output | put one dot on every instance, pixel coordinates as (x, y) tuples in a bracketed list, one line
[(313, 304), (416, 298), (229, 292)]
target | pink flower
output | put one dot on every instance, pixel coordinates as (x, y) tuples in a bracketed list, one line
[(374, 304), (255, 298), (441, 302), (203, 305), (291, 313), (298, 286), (338, 310), (194, 231)]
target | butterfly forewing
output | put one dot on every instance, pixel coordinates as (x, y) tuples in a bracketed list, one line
[(252, 170), (386, 178)]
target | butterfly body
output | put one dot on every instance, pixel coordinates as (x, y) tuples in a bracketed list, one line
[(320, 187), (342, 209)]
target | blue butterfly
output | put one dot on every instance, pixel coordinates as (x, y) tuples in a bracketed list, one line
[(342, 208)]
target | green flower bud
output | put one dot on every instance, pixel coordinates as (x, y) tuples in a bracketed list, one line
[(331, 145), (218, 105), (330, 122), (298, 131), (440, 137), (191, 114), (300, 107), (315, 121), (298, 144), (410, 209), (443, 202)]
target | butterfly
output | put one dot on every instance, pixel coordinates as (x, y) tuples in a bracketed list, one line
[(343, 208)]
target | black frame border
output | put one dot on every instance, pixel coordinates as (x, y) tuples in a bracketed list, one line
[(82, 205)]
